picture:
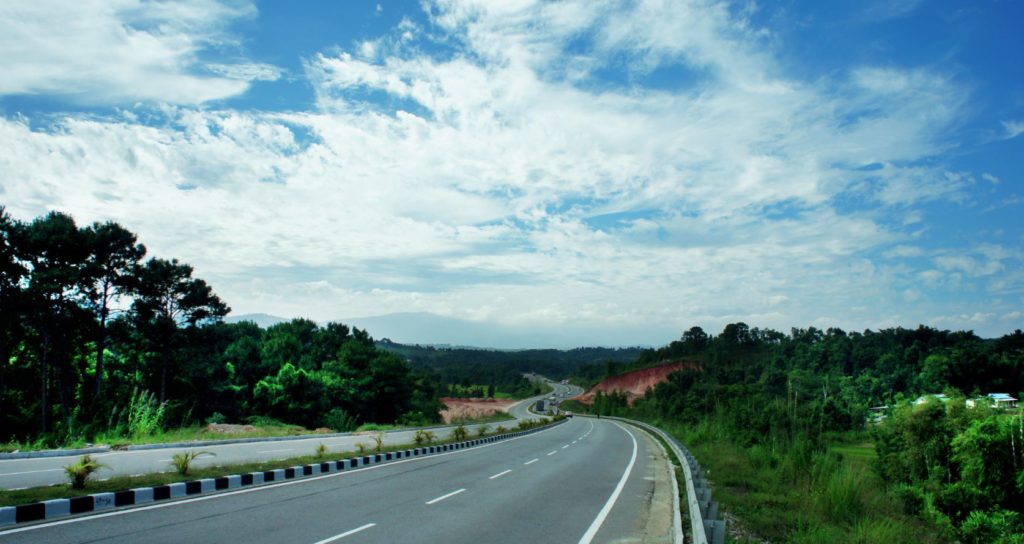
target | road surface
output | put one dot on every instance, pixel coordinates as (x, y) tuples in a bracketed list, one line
[(41, 471), (583, 481)]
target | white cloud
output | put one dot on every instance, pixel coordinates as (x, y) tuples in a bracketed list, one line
[(247, 71), (115, 51), (1012, 129), (478, 190)]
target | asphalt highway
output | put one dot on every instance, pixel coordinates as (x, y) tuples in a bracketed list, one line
[(580, 482), (41, 471)]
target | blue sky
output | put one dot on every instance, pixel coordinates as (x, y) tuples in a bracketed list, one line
[(619, 171)]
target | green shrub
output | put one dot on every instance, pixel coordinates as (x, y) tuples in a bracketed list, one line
[(320, 451), (995, 527), (481, 431), (413, 419), (340, 421), (379, 441), (80, 472), (216, 418), (911, 498), (460, 432), (361, 448)]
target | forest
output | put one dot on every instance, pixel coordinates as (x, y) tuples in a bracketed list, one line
[(789, 417), (97, 338), (503, 371)]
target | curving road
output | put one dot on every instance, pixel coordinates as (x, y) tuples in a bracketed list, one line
[(40, 471), (580, 482)]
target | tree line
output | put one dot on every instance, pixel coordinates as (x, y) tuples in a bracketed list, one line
[(90, 327)]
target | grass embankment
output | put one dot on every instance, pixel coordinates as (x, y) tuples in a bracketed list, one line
[(797, 492), (38, 494)]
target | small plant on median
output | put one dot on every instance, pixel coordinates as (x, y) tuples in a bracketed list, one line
[(320, 451), (80, 472), (361, 448), (379, 439), (460, 432), (481, 431), (182, 462), (423, 437), (501, 429)]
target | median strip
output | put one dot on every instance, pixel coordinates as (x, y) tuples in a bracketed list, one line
[(54, 508)]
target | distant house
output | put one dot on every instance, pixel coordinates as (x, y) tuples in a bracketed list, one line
[(877, 413), (997, 400), (924, 398)]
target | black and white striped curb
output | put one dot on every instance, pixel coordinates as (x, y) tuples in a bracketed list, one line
[(38, 511)]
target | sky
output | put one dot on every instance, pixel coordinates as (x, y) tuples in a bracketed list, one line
[(602, 172)]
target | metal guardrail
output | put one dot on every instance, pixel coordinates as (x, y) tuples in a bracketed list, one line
[(705, 529)]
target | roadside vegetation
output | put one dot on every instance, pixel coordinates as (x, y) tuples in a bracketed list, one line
[(92, 485), (785, 428)]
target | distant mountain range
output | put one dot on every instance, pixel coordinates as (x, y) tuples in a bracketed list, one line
[(435, 330)]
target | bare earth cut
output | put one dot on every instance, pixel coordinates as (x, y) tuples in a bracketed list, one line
[(634, 384), (471, 408)]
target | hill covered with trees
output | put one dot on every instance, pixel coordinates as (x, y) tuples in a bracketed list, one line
[(783, 419)]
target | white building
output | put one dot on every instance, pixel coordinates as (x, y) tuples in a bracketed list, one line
[(997, 400)]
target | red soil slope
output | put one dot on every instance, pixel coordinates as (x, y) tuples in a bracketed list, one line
[(634, 384), (462, 409)]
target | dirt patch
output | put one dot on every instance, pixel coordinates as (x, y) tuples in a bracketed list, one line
[(634, 384), (464, 409), (226, 428)]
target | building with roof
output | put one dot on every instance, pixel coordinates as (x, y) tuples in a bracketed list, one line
[(996, 400)]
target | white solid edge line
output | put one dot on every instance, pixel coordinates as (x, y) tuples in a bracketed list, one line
[(262, 487), (500, 474), (346, 533), (603, 514), (530, 462), (443, 497)]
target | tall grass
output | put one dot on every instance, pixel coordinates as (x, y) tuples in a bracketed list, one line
[(145, 414), (801, 490)]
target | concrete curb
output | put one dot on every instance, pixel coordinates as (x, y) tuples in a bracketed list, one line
[(39, 511)]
